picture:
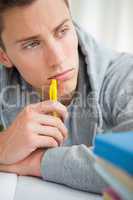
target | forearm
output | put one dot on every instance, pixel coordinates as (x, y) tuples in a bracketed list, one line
[(72, 166), (30, 166)]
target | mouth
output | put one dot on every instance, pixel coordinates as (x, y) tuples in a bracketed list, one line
[(66, 75)]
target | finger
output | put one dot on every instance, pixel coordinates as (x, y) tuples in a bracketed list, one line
[(50, 107), (48, 120), (46, 142), (52, 132)]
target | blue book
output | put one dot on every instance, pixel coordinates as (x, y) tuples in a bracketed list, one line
[(116, 148)]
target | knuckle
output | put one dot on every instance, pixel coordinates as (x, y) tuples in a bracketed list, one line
[(58, 135), (46, 103), (61, 138), (61, 126), (56, 105), (63, 108), (65, 132), (60, 104), (53, 105), (52, 142), (58, 121)]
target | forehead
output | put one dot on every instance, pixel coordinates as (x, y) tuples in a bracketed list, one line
[(42, 14)]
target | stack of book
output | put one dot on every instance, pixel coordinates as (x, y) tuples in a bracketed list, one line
[(114, 162)]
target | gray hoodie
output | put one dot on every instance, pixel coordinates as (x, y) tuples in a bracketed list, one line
[(103, 103)]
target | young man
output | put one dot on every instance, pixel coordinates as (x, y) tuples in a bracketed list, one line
[(40, 42)]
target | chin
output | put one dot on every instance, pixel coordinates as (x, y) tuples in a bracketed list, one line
[(66, 89)]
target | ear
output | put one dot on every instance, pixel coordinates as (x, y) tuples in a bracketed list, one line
[(4, 59)]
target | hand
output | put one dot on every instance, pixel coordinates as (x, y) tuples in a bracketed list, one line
[(30, 166), (33, 128)]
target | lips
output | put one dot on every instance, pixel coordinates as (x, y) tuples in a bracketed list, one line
[(63, 76)]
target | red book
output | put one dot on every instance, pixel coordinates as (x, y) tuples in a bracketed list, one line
[(111, 194)]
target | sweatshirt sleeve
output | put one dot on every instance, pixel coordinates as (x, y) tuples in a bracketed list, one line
[(72, 166)]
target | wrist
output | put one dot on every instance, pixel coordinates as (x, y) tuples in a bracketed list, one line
[(36, 163), (39, 161)]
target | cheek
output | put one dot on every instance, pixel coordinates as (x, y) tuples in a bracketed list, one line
[(71, 47), (27, 67), (32, 68), (28, 62)]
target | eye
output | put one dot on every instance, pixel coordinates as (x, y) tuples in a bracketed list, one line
[(31, 45), (62, 32)]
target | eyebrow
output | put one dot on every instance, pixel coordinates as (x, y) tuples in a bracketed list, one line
[(37, 36)]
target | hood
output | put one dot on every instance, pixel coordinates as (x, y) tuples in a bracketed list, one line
[(97, 58)]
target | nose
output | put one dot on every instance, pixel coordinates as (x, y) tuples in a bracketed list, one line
[(54, 53)]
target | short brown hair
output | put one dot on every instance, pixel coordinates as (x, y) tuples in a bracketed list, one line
[(9, 4)]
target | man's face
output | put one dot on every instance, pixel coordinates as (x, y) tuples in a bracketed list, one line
[(41, 42)]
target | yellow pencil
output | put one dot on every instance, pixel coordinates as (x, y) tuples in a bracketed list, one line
[(53, 93)]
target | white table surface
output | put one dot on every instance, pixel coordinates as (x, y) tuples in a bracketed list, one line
[(13, 187)]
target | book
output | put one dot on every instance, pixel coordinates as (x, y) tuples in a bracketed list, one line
[(119, 174), (111, 194), (116, 148), (123, 191)]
